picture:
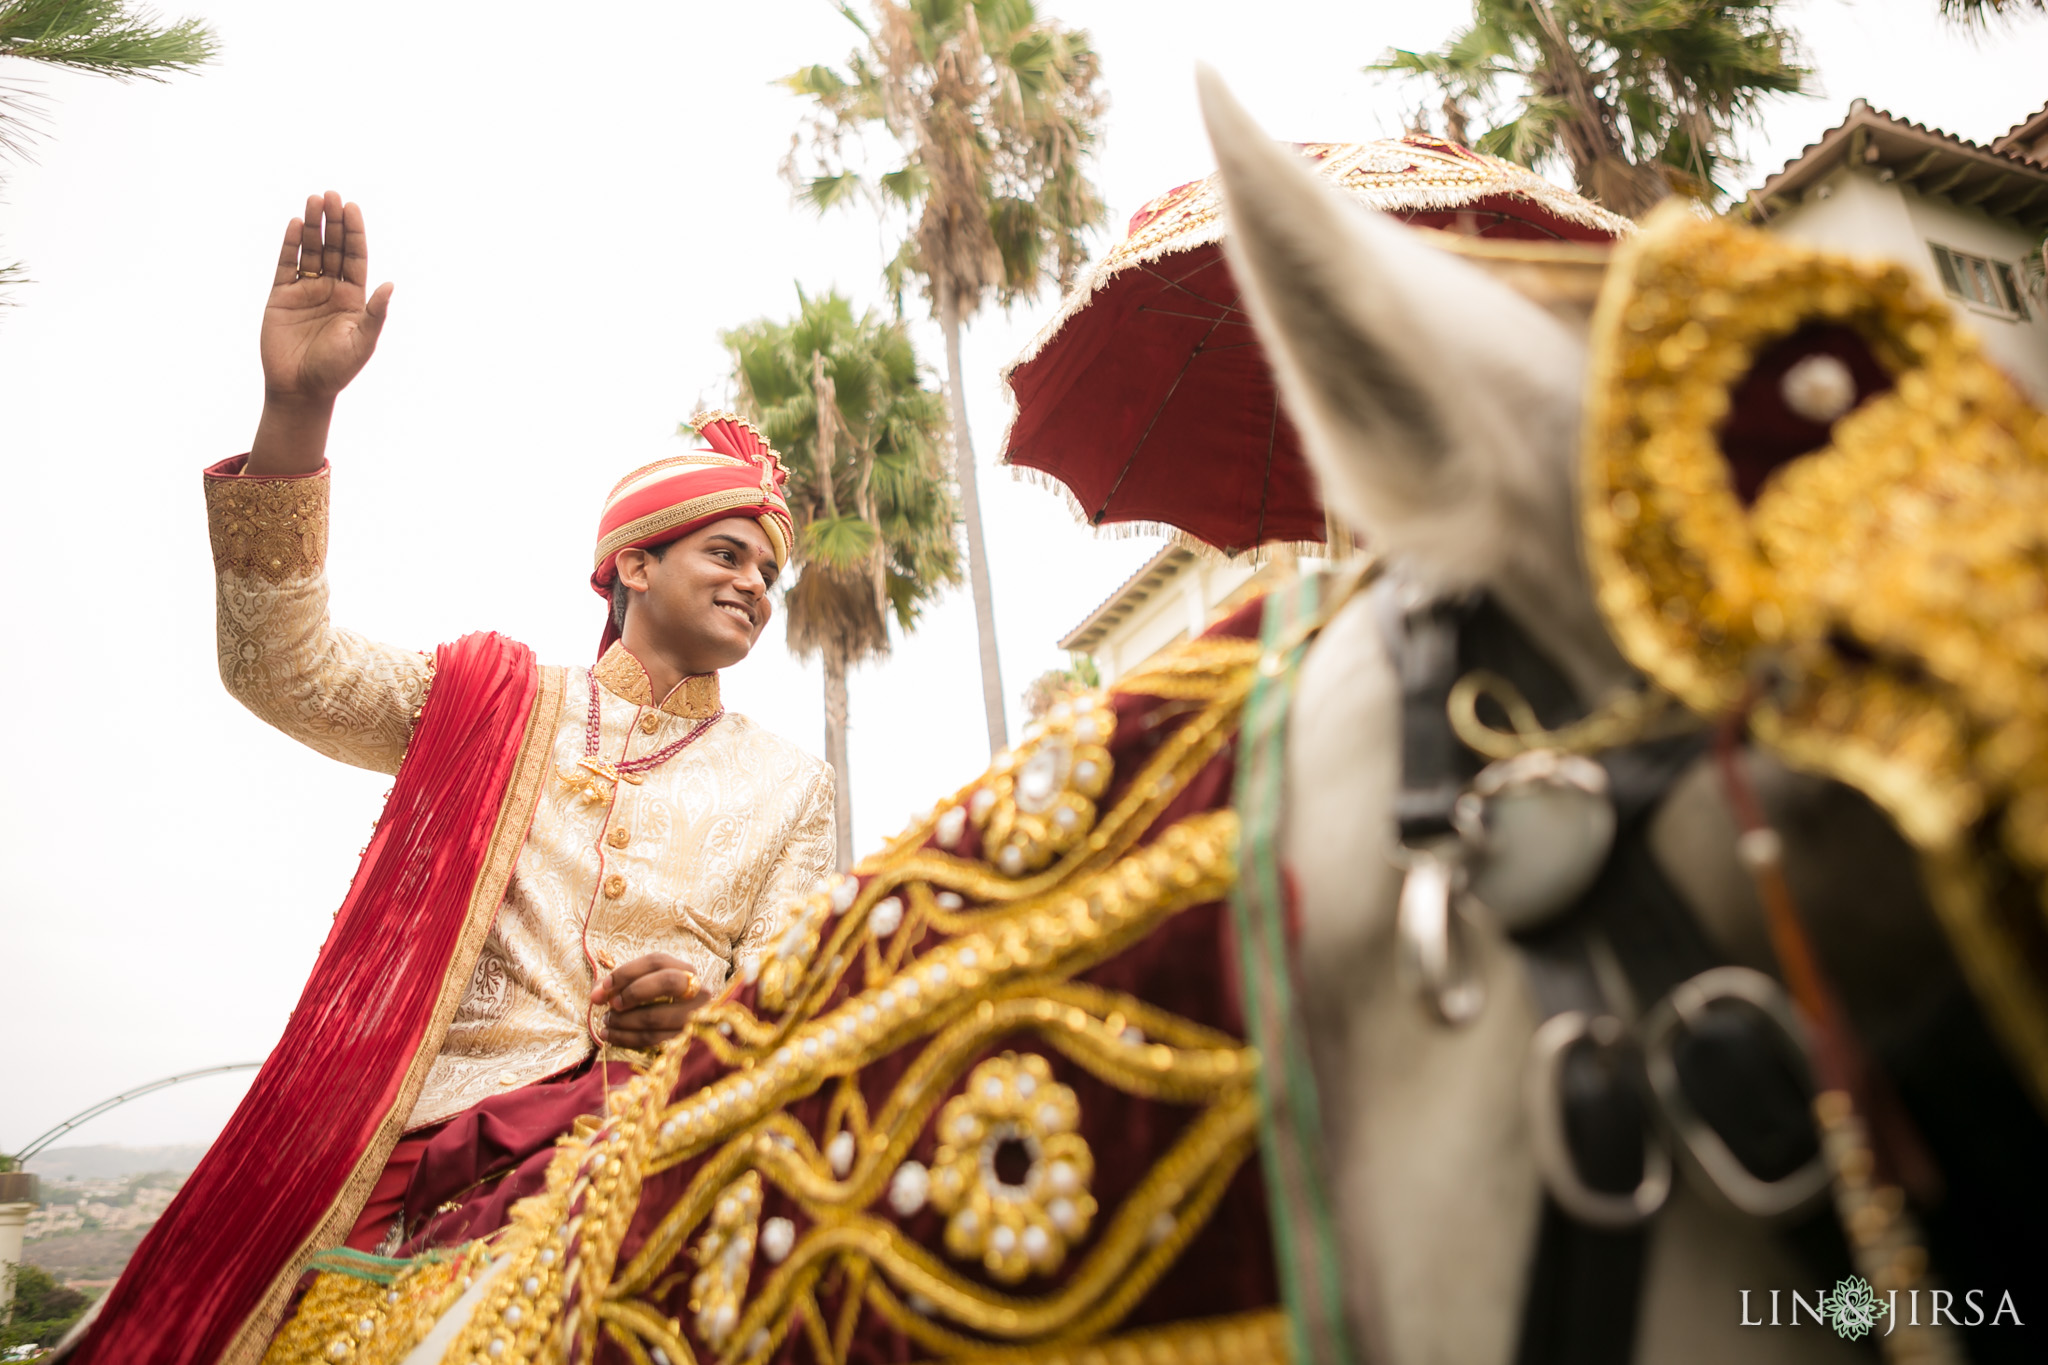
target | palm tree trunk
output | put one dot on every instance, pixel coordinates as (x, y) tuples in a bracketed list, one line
[(1601, 170), (835, 754), (970, 511)]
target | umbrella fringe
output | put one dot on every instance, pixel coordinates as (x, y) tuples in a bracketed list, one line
[(1401, 197), (1038, 478), (1160, 530)]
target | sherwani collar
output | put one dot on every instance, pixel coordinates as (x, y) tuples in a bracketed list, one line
[(694, 698)]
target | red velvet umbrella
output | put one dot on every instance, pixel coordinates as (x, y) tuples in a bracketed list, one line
[(1148, 397)]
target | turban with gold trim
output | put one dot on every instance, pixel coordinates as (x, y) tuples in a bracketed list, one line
[(737, 475)]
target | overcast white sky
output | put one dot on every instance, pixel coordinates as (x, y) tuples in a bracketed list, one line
[(571, 207)]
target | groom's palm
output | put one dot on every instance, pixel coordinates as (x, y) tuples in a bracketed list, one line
[(320, 324)]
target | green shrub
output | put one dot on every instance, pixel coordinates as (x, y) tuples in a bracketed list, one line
[(43, 1310)]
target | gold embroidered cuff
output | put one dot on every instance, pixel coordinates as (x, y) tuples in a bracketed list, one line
[(274, 529)]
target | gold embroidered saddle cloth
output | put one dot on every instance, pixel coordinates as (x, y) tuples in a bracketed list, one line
[(988, 1096)]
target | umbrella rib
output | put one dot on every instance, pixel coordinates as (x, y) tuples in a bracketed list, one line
[(1132, 458), (1196, 268), (1177, 284), (1266, 484), (1198, 317)]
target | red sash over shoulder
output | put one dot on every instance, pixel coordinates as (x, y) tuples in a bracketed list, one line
[(293, 1167)]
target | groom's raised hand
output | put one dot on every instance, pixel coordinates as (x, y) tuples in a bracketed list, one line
[(320, 327)]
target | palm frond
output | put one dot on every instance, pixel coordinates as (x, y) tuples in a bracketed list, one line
[(883, 542), (104, 38), (852, 16), (1635, 98), (906, 185), (819, 82), (824, 192), (994, 107), (1984, 12), (839, 542), (901, 269)]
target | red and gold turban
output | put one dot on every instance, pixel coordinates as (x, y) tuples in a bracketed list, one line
[(738, 475)]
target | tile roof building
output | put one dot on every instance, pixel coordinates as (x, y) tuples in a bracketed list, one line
[(1967, 217), (1174, 596)]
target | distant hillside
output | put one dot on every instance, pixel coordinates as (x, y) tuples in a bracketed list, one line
[(111, 1163), (90, 1258)]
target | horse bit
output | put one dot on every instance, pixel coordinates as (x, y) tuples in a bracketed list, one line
[(1524, 841)]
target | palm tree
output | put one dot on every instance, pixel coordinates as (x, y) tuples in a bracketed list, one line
[(1984, 11), (993, 110), (100, 37), (843, 399), (1639, 98), (1043, 692)]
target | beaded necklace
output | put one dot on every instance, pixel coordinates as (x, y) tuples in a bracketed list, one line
[(631, 769)]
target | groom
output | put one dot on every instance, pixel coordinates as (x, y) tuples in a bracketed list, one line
[(572, 859)]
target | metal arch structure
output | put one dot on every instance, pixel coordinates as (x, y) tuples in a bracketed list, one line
[(43, 1140)]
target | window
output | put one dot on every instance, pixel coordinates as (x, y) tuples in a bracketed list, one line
[(1991, 285)]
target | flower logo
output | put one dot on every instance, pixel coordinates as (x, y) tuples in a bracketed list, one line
[(1011, 1173), (1852, 1308)]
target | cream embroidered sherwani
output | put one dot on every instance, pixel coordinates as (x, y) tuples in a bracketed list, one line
[(700, 859)]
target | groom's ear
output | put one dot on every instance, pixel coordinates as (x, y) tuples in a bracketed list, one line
[(632, 568)]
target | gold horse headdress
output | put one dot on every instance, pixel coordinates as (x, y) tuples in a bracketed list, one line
[(1806, 489)]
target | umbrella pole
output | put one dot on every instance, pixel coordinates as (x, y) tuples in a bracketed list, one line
[(1338, 542)]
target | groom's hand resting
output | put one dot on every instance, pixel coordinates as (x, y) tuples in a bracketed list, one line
[(320, 326), (651, 1000)]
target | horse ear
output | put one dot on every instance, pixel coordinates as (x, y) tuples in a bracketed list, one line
[(1421, 386)]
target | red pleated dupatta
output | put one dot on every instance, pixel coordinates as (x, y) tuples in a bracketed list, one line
[(291, 1171)]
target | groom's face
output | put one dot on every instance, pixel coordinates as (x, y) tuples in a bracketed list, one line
[(702, 599)]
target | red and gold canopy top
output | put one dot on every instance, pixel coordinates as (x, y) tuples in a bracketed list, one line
[(1148, 398)]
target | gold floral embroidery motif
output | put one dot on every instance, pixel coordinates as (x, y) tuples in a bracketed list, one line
[(273, 529), (1013, 1171), (1038, 799), (726, 1253)]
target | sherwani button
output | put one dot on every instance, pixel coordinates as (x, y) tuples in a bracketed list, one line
[(618, 838), (649, 723), (508, 1079), (615, 886)]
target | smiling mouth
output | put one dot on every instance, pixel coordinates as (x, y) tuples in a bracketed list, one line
[(738, 611)]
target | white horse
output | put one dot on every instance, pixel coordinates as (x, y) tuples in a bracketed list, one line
[(1440, 410)]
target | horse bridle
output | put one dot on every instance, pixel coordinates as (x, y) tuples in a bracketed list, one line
[(1709, 1079)]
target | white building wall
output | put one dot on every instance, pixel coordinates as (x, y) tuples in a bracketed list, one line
[(1179, 609), (1158, 621), (1853, 211), (13, 1219)]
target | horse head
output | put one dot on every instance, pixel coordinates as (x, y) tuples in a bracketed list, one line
[(1779, 486)]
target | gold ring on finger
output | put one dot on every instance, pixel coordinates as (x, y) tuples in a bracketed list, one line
[(311, 274)]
